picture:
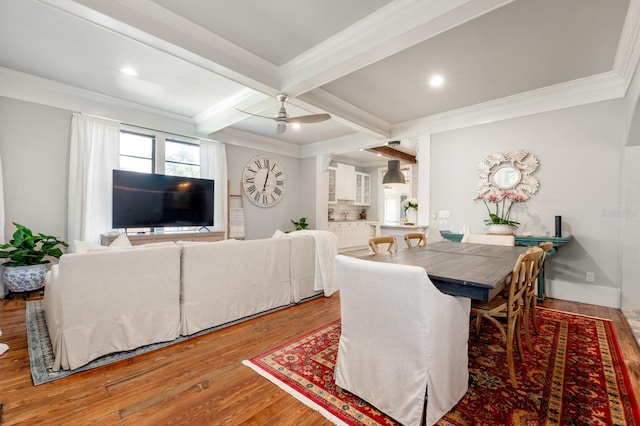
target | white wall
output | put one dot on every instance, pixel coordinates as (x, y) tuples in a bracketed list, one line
[(581, 152), (630, 216), (34, 147)]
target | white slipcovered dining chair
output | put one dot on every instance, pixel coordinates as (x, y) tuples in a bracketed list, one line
[(498, 240), (402, 340)]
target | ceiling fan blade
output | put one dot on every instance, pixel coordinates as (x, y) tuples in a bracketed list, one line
[(282, 126), (256, 115), (314, 118)]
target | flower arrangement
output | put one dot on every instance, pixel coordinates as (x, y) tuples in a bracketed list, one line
[(410, 203), (503, 203)]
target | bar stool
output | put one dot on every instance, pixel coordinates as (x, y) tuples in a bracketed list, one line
[(392, 244), (419, 236)]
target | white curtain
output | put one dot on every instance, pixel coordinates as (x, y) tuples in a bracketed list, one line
[(94, 153), (3, 291), (2, 216), (213, 165)]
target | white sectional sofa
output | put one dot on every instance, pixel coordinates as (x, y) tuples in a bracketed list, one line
[(116, 299)]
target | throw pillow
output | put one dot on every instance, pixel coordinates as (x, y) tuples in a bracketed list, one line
[(82, 246), (121, 241)]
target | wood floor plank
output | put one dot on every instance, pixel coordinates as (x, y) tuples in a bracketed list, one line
[(198, 381)]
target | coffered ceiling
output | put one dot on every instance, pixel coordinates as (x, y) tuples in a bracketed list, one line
[(365, 62)]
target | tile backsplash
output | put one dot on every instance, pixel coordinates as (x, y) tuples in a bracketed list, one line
[(352, 211)]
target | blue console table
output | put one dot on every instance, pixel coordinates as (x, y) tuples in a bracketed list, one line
[(522, 240)]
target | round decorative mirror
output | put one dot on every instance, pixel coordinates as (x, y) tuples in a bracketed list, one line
[(512, 171), (506, 177)]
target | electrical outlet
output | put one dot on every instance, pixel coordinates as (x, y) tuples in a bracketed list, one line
[(444, 222), (590, 277)]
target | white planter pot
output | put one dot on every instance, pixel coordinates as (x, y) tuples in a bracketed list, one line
[(24, 278), (412, 216), (501, 229)]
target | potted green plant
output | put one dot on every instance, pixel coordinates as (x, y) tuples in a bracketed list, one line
[(300, 224), (27, 258)]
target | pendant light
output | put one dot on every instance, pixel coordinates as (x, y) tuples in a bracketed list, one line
[(394, 175)]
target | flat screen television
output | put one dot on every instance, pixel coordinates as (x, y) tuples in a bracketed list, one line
[(142, 200)]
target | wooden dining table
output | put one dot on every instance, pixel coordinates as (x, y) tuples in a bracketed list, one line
[(477, 271)]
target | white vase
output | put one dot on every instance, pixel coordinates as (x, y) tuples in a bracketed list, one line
[(500, 229), (412, 216)]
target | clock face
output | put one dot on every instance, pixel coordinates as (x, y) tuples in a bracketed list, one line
[(263, 181)]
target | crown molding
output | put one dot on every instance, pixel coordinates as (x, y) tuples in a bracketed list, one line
[(601, 87), (251, 140), (390, 29), (628, 52), (30, 88)]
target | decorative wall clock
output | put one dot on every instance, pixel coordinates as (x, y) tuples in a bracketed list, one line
[(263, 181)]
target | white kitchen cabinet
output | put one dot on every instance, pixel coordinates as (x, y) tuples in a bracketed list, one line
[(363, 189), (351, 235), (333, 183), (346, 182)]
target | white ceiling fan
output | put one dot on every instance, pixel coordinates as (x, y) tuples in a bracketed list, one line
[(282, 119)]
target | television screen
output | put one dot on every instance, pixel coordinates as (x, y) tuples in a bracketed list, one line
[(142, 200)]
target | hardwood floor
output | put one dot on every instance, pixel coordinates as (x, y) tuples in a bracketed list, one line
[(199, 381)]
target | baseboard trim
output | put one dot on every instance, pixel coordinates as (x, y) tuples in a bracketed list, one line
[(591, 294)]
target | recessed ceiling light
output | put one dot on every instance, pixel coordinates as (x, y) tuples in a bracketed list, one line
[(436, 81), (296, 125), (129, 71)]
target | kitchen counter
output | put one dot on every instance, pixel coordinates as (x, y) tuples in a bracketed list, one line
[(397, 230), (370, 222)]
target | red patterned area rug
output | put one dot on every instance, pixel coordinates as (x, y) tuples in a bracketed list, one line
[(575, 375)]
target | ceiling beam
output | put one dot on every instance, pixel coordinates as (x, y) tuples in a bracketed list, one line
[(398, 155)]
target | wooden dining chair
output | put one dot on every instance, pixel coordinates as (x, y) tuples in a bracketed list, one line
[(530, 298), (510, 308), (392, 244), (420, 237), (498, 240)]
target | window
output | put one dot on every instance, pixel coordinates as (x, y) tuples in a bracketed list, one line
[(181, 158), (137, 152), (157, 153)]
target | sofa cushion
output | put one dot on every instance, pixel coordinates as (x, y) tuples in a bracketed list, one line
[(113, 300), (228, 280)]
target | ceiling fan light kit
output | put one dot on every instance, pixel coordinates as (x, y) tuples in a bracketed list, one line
[(282, 119), (394, 175)]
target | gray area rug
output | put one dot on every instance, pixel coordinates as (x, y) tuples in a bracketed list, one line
[(41, 354)]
